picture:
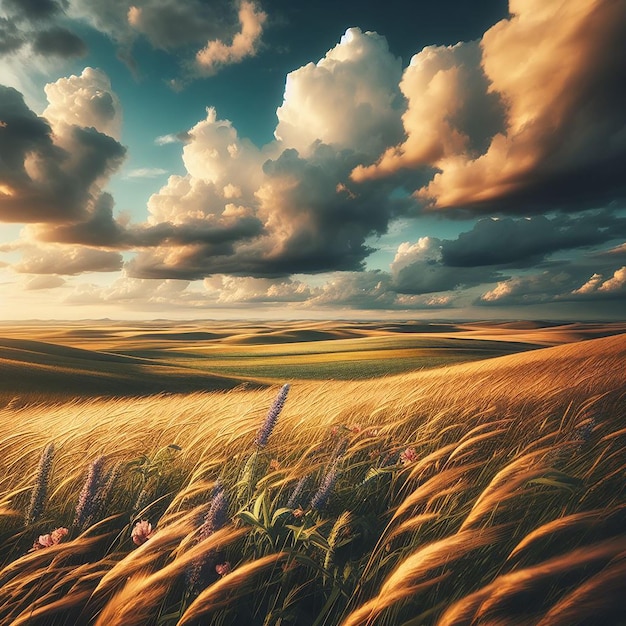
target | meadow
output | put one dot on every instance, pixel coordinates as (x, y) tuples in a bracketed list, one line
[(270, 474)]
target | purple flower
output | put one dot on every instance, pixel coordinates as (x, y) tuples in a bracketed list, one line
[(216, 517), (325, 489), (272, 416), (297, 492), (88, 500), (38, 494)]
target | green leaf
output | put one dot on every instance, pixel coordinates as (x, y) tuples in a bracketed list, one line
[(250, 519), (279, 513)]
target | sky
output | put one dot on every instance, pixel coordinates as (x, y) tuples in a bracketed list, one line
[(213, 159)]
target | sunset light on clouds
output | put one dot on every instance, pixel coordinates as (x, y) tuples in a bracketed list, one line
[(266, 159)]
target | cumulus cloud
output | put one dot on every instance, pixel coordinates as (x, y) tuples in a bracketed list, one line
[(290, 213), (570, 282), (449, 110), (45, 175), (216, 53), (563, 140), (419, 268), (348, 99), (223, 289), (599, 285), (86, 101), (66, 260)]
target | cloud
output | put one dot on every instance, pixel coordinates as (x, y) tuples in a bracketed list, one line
[(571, 282), (599, 285), (563, 140), (286, 213), (220, 32), (449, 110), (43, 282), (65, 260), (87, 101), (59, 41), (349, 99), (145, 172), (217, 54), (11, 37), (419, 268), (52, 168), (164, 140), (36, 9), (224, 289), (520, 242)]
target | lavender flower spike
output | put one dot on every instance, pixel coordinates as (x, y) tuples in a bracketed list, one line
[(38, 494), (325, 489), (272, 416), (216, 517), (88, 499)]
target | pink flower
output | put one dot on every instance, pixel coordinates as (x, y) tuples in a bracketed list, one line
[(408, 456), (51, 539), (298, 513), (223, 568), (142, 532)]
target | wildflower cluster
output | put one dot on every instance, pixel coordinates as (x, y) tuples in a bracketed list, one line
[(51, 539)]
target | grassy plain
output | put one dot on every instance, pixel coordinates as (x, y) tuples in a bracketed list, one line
[(485, 492)]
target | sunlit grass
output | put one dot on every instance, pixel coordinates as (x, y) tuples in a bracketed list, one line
[(489, 492)]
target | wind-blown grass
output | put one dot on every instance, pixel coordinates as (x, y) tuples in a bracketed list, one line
[(483, 493)]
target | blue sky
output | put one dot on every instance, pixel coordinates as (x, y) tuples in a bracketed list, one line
[(281, 159)]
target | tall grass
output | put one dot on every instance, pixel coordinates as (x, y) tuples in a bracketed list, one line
[(485, 493)]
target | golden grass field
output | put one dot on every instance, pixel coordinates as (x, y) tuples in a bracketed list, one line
[(487, 490)]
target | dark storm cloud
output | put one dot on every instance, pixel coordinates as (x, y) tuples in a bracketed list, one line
[(36, 9), (170, 24), (419, 269), (59, 42), (48, 177), (11, 38), (520, 242)]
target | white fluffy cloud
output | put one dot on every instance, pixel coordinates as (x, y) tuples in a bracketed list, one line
[(449, 111), (348, 99), (86, 101)]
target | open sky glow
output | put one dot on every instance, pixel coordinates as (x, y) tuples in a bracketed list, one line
[(270, 158)]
